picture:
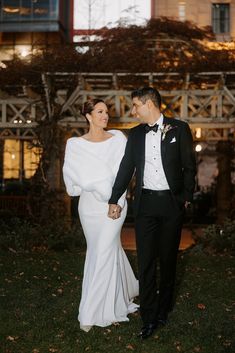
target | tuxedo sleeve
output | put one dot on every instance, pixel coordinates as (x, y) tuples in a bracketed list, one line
[(125, 172), (188, 162)]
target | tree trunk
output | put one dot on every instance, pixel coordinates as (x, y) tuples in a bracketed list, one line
[(224, 182), (1, 162)]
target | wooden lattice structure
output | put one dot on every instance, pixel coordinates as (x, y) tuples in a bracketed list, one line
[(205, 100)]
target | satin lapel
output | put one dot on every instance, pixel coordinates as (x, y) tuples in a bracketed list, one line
[(141, 143), (163, 144), (140, 151)]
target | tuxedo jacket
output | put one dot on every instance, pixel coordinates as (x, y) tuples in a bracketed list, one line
[(178, 161)]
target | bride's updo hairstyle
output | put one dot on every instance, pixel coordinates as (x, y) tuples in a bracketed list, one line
[(89, 106)]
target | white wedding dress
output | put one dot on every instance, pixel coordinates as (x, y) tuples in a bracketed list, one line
[(109, 285)]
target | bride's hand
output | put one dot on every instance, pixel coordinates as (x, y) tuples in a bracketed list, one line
[(114, 211)]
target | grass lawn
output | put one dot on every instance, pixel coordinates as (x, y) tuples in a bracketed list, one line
[(40, 293)]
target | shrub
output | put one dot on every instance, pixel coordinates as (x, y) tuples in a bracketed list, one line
[(22, 235), (218, 238)]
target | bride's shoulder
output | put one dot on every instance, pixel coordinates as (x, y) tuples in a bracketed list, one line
[(73, 140), (118, 134)]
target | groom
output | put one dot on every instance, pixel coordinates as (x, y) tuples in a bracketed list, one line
[(159, 152)]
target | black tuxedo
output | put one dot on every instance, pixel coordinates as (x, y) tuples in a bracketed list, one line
[(178, 162), (158, 218)]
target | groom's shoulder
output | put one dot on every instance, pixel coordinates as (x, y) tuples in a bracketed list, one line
[(176, 122), (136, 130)]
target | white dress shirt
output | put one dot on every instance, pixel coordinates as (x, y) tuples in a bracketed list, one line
[(154, 175)]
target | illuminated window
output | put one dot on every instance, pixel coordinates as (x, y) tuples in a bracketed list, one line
[(18, 10), (20, 159), (11, 159), (182, 11), (220, 18)]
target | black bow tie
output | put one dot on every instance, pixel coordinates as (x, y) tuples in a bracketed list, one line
[(149, 128)]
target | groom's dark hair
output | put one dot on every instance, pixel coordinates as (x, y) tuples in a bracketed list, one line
[(145, 93)]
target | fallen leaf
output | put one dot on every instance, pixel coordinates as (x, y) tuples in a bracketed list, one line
[(176, 343), (12, 338), (12, 250), (201, 306), (129, 346), (227, 343)]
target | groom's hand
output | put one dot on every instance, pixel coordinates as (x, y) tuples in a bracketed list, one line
[(114, 211)]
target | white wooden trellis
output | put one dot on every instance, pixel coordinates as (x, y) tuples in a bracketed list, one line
[(211, 109)]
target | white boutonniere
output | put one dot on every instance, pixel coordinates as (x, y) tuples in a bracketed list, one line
[(165, 128)]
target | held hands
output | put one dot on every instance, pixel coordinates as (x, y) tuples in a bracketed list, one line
[(114, 211), (187, 204)]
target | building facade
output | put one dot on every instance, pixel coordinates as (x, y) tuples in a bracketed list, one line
[(26, 26), (220, 14)]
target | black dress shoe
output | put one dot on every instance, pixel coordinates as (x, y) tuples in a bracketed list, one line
[(147, 331), (162, 322)]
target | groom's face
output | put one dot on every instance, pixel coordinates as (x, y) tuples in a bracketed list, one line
[(140, 110)]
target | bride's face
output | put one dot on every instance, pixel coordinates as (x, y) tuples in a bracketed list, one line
[(99, 115)]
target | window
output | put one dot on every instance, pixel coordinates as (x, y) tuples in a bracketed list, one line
[(220, 18), (182, 11), (28, 10), (20, 159), (11, 159), (10, 10)]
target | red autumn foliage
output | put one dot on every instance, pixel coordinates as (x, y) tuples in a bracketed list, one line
[(162, 45)]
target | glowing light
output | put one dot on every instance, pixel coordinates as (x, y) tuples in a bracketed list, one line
[(2, 65), (198, 147), (198, 132), (28, 121), (24, 53), (13, 156)]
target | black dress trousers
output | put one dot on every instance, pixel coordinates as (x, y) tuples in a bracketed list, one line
[(158, 226)]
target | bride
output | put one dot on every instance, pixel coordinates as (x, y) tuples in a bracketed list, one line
[(90, 166)]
